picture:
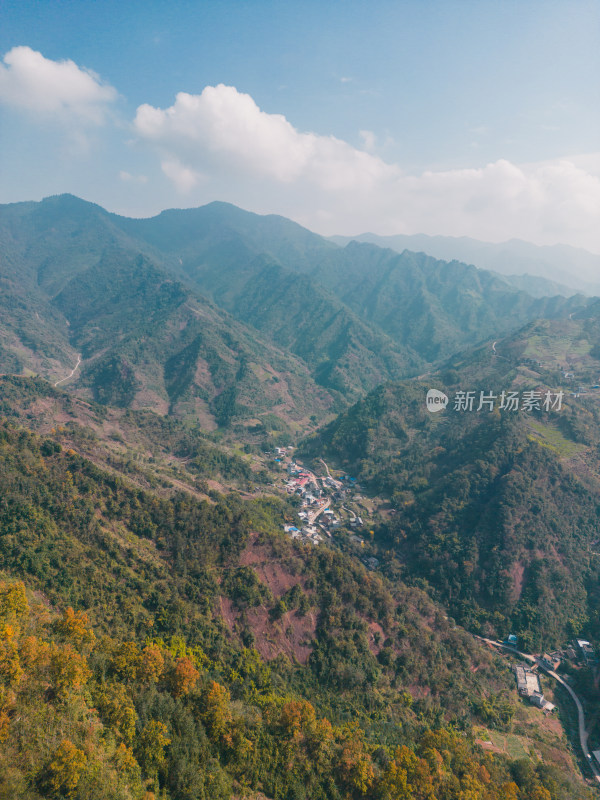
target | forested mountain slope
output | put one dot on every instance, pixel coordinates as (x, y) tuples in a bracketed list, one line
[(355, 316), (569, 266), (496, 510), (168, 640), (198, 634)]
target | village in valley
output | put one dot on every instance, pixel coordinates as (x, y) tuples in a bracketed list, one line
[(333, 509), (329, 505)]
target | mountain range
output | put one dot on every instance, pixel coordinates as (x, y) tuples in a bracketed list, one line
[(165, 630), (246, 312), (495, 509), (540, 270)]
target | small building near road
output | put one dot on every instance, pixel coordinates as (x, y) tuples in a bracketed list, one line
[(538, 700), (586, 651), (550, 661), (528, 681), (528, 685)]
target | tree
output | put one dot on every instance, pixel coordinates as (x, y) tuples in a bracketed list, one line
[(13, 601), (152, 664), (11, 671), (407, 776), (126, 659), (74, 627), (297, 718), (69, 670), (66, 767), (118, 713), (217, 713), (355, 763), (125, 762), (151, 745), (184, 676)]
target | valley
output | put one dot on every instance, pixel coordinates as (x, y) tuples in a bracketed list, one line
[(236, 548)]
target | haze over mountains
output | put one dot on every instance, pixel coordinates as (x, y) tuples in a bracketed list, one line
[(561, 269), (231, 315)]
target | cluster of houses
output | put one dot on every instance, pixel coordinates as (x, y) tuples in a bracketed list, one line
[(528, 680), (302, 482), (580, 389), (309, 533), (581, 650), (280, 453), (319, 498)]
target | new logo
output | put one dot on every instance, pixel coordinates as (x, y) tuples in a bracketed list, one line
[(436, 400)]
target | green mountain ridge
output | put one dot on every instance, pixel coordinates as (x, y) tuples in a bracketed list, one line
[(435, 307), (148, 341), (572, 268), (356, 316)]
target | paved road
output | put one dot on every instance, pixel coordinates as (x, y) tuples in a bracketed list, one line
[(583, 734), (496, 353), (73, 371), (313, 515), (330, 476)]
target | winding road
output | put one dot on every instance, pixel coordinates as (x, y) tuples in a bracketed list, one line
[(329, 475), (73, 371), (583, 734), (496, 353)]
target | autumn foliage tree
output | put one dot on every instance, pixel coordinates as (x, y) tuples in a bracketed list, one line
[(184, 676), (217, 711), (74, 628), (65, 769), (69, 670)]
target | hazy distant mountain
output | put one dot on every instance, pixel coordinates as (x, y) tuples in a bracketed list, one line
[(315, 324), (572, 267), (427, 308), (536, 286), (433, 306)]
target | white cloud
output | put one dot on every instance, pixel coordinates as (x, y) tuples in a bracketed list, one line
[(127, 177), (183, 177), (369, 139), (58, 89), (222, 141)]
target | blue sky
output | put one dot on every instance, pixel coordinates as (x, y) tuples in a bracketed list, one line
[(459, 118)]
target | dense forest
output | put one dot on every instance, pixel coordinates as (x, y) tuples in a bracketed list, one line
[(131, 667), (161, 637)]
